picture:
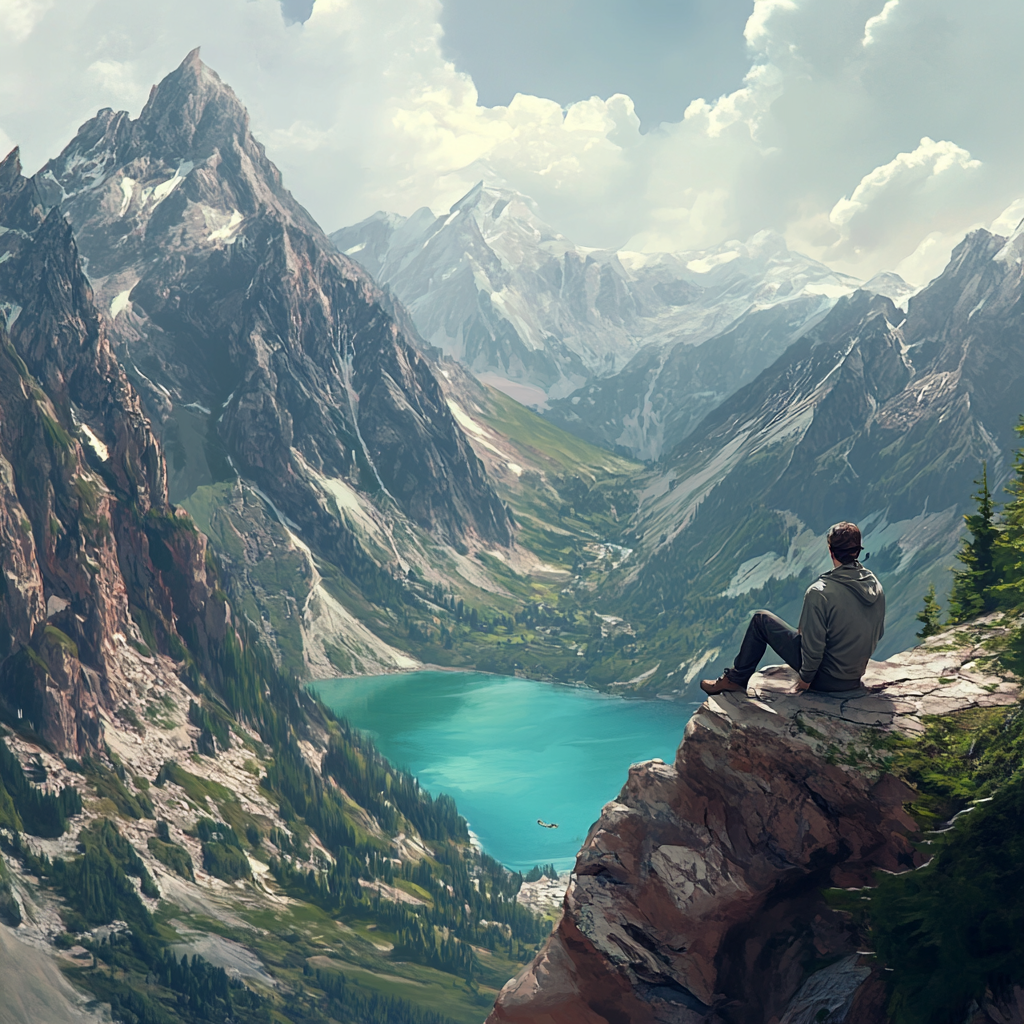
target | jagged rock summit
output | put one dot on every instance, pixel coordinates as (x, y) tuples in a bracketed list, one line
[(696, 896), (304, 424), (251, 338)]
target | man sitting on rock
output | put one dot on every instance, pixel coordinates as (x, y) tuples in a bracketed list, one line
[(842, 620)]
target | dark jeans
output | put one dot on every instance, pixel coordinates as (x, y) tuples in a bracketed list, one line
[(765, 630)]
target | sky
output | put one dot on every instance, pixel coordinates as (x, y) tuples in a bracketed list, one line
[(870, 133)]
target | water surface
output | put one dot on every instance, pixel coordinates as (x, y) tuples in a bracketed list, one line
[(510, 750)]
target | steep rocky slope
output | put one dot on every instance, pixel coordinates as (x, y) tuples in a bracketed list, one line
[(874, 415), (663, 393), (261, 354), (495, 287), (97, 565), (697, 896), (165, 789)]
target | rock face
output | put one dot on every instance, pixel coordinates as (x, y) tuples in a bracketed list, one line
[(495, 287), (874, 416), (274, 372), (95, 561), (663, 393), (256, 346), (696, 897)]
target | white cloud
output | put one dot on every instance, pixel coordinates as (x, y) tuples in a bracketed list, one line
[(361, 112), (929, 258), (115, 78), (877, 21), (928, 178), (18, 17), (928, 161), (757, 30)]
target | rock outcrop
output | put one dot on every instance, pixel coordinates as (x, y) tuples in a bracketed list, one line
[(96, 563), (697, 895)]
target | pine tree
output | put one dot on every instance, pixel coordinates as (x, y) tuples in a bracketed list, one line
[(973, 586), (929, 616), (1010, 556), (1009, 545)]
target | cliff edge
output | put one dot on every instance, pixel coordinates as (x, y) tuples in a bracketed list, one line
[(697, 896)]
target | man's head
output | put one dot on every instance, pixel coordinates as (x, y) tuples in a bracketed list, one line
[(844, 542)]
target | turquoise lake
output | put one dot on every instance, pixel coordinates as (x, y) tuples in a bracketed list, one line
[(511, 751)]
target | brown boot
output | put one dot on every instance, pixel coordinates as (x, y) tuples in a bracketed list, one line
[(722, 685)]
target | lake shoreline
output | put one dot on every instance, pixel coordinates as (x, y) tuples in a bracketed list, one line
[(510, 750), (458, 669)]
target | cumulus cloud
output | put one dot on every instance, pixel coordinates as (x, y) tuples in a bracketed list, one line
[(930, 177), (876, 22), (362, 112)]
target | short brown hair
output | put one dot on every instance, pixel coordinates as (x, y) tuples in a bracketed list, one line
[(844, 542)]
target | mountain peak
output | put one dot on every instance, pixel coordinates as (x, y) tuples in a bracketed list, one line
[(10, 169), (191, 111), (493, 199)]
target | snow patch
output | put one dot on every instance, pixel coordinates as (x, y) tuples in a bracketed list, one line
[(695, 667), (127, 191), (707, 263), (225, 233), (469, 424), (95, 443), (347, 501), (281, 517), (165, 188), (464, 421), (120, 303)]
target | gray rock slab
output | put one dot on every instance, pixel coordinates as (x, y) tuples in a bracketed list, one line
[(33, 989), (827, 994)]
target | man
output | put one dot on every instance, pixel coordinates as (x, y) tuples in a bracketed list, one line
[(842, 620)]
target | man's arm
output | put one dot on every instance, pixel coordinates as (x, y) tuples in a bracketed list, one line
[(813, 631)]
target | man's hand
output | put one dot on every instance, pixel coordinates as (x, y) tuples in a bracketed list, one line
[(802, 685)]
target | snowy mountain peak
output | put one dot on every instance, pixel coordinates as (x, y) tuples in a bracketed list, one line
[(892, 286), (1013, 250), (495, 286)]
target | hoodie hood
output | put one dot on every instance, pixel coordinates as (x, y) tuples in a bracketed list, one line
[(863, 582)]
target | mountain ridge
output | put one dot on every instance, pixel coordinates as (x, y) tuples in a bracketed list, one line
[(92, 545), (492, 285), (870, 416), (291, 396)]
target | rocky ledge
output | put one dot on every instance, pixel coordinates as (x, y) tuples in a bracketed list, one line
[(696, 898)]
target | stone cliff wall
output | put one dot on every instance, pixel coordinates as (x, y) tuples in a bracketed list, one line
[(697, 895), (100, 574)]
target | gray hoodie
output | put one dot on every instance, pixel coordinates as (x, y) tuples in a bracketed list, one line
[(843, 619)]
